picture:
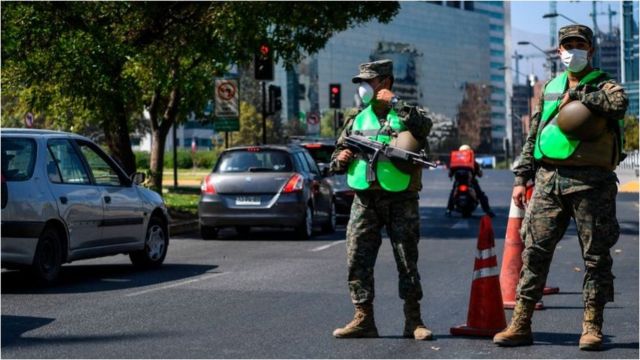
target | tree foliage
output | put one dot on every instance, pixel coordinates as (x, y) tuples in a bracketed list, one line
[(630, 133), (98, 64)]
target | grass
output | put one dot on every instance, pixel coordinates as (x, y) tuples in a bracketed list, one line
[(182, 202)]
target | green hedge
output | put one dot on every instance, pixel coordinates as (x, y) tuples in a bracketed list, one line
[(203, 159)]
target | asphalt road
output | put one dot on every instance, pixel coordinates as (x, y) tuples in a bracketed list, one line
[(272, 296)]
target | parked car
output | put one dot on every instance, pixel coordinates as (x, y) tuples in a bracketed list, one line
[(269, 186), (64, 199), (321, 150)]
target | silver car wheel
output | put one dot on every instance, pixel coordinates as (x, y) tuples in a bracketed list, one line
[(155, 243)]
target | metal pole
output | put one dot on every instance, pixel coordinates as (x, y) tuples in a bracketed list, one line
[(264, 113), (175, 157), (226, 139), (335, 123)]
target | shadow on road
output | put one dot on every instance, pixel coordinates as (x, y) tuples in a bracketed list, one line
[(92, 278), (13, 328)]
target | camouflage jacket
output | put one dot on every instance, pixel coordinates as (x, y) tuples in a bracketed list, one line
[(414, 118), (611, 105)]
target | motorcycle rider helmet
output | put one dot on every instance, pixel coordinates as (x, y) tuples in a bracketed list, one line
[(464, 147)]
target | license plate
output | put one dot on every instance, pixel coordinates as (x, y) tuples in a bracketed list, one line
[(247, 200)]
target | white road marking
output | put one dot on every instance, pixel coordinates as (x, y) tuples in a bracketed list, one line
[(462, 224), (324, 247), (142, 292)]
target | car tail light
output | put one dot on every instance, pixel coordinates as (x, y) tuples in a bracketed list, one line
[(207, 185), (463, 188), (295, 183), (313, 146)]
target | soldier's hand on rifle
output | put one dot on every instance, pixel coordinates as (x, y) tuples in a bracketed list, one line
[(345, 156), (385, 96)]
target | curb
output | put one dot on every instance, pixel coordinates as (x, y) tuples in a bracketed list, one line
[(630, 187), (182, 227)]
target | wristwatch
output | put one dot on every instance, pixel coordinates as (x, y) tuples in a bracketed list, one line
[(394, 101)]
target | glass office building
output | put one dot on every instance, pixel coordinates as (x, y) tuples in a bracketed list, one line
[(438, 48), (629, 58)]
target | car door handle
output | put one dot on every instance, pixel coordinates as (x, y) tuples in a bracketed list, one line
[(107, 199), (63, 199)]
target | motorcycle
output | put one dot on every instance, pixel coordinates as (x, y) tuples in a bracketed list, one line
[(465, 200)]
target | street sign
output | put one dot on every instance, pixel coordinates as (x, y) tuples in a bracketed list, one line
[(28, 119), (220, 125), (313, 123), (226, 98)]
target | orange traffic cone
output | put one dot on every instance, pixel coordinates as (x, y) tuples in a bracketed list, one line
[(512, 259), (486, 315)]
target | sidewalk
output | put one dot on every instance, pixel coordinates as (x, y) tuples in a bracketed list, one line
[(628, 180)]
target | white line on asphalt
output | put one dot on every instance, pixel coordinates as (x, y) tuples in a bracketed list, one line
[(324, 247), (462, 224), (142, 292)]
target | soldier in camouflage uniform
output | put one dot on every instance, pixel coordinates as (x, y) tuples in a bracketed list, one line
[(375, 207), (579, 183)]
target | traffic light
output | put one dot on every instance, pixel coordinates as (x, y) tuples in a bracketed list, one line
[(263, 62), (275, 99), (334, 96)]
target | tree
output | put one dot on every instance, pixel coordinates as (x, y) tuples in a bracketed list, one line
[(114, 58), (474, 117), (630, 133)]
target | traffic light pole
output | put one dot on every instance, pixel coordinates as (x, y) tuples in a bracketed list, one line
[(335, 123), (264, 113)]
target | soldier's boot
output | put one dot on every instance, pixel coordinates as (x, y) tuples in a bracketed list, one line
[(591, 338), (518, 333), (413, 325), (363, 324)]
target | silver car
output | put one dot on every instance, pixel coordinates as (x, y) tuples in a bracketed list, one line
[(64, 199), (274, 186)]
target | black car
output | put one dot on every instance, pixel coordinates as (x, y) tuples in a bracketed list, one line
[(321, 150), (266, 186)]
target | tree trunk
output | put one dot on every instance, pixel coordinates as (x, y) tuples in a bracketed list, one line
[(160, 131), (156, 163), (119, 143)]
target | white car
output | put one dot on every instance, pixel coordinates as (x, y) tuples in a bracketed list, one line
[(64, 199)]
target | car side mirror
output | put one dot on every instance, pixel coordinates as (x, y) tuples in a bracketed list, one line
[(138, 178)]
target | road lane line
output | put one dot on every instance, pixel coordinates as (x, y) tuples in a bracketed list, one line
[(142, 292), (324, 247), (462, 224)]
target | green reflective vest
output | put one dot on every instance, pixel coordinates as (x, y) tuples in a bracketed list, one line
[(388, 176), (551, 142)]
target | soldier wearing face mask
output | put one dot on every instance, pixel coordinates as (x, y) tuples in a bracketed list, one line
[(390, 201), (574, 178)]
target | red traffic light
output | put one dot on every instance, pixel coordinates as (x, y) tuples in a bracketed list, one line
[(264, 49), (335, 90)]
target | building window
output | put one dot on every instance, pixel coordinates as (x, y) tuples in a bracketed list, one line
[(498, 41), (468, 5), (496, 27), (499, 78), (454, 4), (497, 53)]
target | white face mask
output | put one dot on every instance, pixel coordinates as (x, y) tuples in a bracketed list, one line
[(366, 92), (575, 59)]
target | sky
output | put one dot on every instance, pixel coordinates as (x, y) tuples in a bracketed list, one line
[(527, 24)]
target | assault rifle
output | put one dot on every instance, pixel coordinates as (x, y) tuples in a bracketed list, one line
[(372, 149)]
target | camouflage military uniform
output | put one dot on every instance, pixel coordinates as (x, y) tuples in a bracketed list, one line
[(397, 212), (586, 193)]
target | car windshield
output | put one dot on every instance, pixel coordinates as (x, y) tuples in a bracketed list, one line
[(18, 158), (320, 153), (254, 160)]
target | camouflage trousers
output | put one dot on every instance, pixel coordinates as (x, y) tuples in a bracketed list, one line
[(545, 223), (399, 214)]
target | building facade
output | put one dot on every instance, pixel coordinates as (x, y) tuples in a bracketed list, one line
[(629, 59), (433, 60)]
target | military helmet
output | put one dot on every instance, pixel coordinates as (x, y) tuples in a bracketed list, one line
[(406, 141), (579, 123)]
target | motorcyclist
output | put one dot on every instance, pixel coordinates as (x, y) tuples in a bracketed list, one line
[(473, 182)]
